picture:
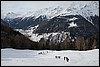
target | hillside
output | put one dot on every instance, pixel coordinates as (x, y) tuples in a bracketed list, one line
[(13, 39)]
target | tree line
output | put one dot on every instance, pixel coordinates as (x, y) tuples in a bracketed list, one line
[(14, 39), (81, 43)]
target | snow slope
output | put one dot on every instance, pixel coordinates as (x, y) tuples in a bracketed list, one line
[(72, 24), (52, 36), (13, 57)]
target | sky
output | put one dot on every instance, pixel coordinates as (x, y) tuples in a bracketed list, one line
[(20, 6)]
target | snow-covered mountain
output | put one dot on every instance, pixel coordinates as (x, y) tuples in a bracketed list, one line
[(86, 9), (12, 15), (78, 18)]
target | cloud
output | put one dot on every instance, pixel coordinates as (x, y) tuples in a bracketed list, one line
[(26, 5)]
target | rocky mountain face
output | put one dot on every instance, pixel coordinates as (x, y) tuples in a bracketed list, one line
[(75, 24), (4, 23)]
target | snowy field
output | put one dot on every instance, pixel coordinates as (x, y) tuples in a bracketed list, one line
[(12, 57)]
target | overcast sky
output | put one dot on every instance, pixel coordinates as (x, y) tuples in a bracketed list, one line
[(20, 6), (24, 6)]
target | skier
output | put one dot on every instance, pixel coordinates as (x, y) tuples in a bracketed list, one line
[(66, 58)]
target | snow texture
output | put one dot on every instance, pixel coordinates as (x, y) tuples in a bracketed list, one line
[(72, 24), (13, 57)]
